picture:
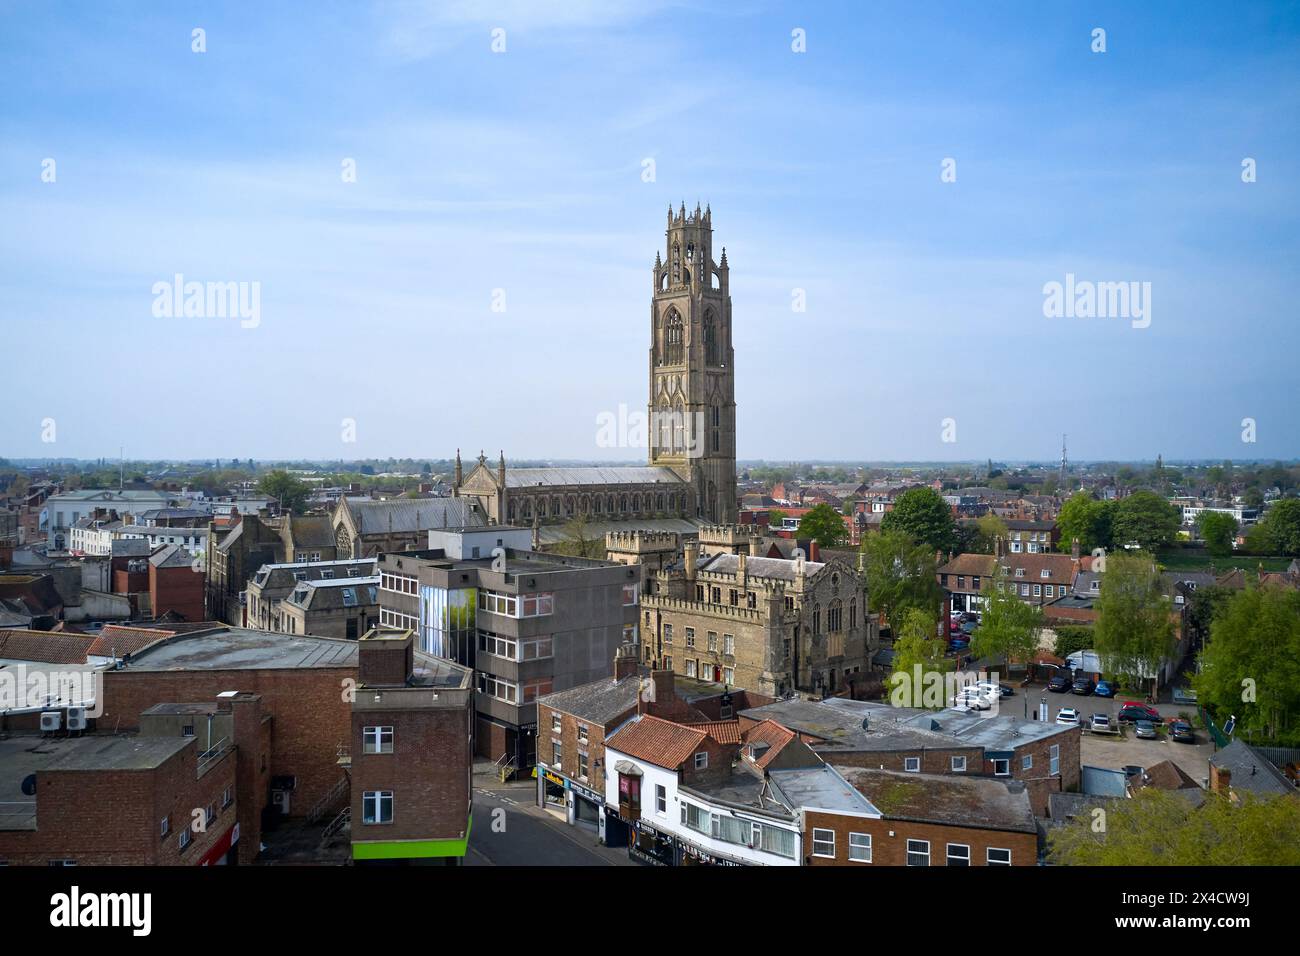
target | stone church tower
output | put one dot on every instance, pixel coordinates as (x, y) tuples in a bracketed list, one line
[(692, 410)]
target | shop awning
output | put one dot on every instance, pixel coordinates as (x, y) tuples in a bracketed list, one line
[(627, 768)]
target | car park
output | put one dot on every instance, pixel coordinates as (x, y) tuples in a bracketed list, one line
[(1181, 732), (1145, 729), (1130, 711), (1068, 715), (1100, 724), (1082, 686), (1104, 688)]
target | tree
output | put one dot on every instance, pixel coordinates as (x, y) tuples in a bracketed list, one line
[(1008, 626), (290, 491), (1070, 640), (824, 525), (578, 541), (1250, 667), (1219, 529), (775, 517), (901, 574), (1134, 632), (988, 529), (918, 646), (925, 516), (1146, 519), (1160, 828), (1087, 519), (1282, 526)]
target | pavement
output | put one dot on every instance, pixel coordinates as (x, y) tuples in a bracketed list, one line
[(511, 830)]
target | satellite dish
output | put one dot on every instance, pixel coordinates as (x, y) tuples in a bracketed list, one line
[(29, 785)]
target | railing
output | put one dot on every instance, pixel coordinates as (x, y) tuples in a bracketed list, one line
[(327, 803), (208, 759), (505, 767), (17, 814), (344, 819)]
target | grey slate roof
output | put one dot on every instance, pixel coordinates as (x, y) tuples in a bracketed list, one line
[(413, 514), (1251, 772), (779, 569), (171, 556), (600, 701), (604, 475)]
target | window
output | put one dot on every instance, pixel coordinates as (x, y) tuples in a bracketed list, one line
[(999, 857), (912, 764), (713, 642), (690, 668), (729, 645), (690, 637), (629, 792), (583, 733), (538, 605), (629, 595), (186, 838), (494, 603), (728, 676), (187, 730), (1020, 572), (397, 583), (958, 764), (695, 817), (860, 847), (668, 633), (377, 740), (1001, 767), (498, 688), (661, 800), (1027, 762), (1054, 759), (537, 649), (582, 765), (958, 854), (773, 840), (1024, 590), (701, 760), (918, 852), (377, 806), (227, 797), (823, 843), (1038, 590), (668, 663), (166, 826), (557, 755), (557, 723), (534, 689)]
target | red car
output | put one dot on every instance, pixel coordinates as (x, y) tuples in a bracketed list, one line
[(1131, 711)]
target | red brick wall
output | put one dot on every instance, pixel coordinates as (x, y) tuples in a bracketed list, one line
[(889, 850), (177, 589), (309, 716)]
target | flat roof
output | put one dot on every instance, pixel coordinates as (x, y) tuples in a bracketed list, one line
[(820, 788), (950, 799), (237, 648)]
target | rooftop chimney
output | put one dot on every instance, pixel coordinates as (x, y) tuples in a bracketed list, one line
[(690, 556), (625, 662)]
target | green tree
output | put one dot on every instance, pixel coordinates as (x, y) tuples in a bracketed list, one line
[(1008, 627), (925, 516), (1070, 639), (775, 517), (918, 644), (290, 491), (900, 575), (1160, 828), (1087, 519), (824, 525), (1146, 519), (1219, 529), (1134, 630), (1250, 667), (1281, 525), (988, 529)]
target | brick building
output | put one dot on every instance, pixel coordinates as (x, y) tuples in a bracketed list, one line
[(411, 755), (176, 584)]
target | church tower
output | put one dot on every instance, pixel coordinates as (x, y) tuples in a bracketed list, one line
[(692, 409)]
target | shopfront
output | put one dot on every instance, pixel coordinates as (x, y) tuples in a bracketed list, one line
[(553, 792), (653, 847)]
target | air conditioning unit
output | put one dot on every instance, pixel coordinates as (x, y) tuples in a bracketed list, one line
[(76, 718), (51, 720)]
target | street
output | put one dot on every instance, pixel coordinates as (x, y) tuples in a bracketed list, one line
[(530, 836)]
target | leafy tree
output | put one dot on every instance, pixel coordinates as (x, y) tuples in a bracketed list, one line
[(988, 529), (1147, 519), (578, 540), (925, 516), (824, 525), (775, 517), (900, 575), (1160, 828), (1087, 519), (1205, 603), (1250, 667), (1252, 498), (1134, 630), (1071, 639), (289, 490), (918, 643), (1008, 626), (1219, 529), (1281, 525)]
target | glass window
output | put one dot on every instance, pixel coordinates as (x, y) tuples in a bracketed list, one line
[(823, 842), (912, 764), (999, 857), (377, 740), (958, 854), (860, 847), (701, 760), (918, 852), (661, 799), (377, 806), (958, 764)]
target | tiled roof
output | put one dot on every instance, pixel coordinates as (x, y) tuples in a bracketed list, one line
[(771, 733), (1061, 568), (972, 564), (660, 742), (44, 646), (723, 731), (120, 640)]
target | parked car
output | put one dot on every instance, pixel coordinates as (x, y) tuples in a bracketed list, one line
[(1145, 729), (971, 699), (1068, 715), (1083, 686), (970, 616), (1100, 724), (968, 627), (1132, 711), (1104, 688), (1181, 731), (1006, 690), (1060, 682)]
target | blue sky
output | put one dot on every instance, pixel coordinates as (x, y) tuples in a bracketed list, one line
[(522, 171)]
